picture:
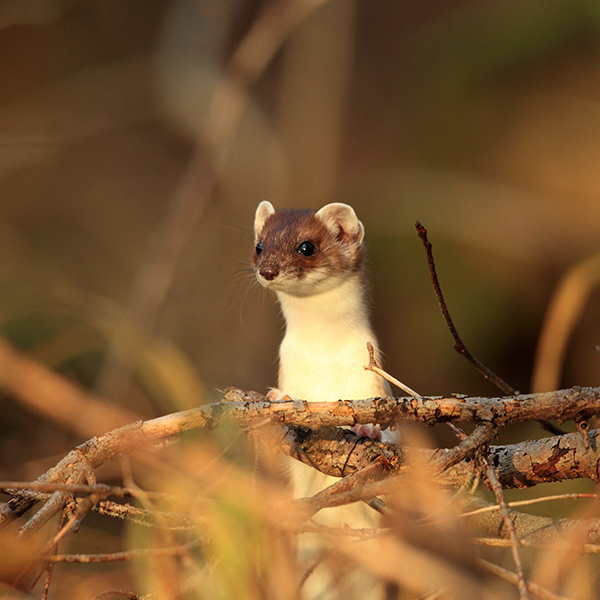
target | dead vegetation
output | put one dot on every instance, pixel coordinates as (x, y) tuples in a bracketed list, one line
[(194, 504), (188, 505)]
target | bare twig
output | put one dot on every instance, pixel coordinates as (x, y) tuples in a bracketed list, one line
[(121, 556), (373, 366), (341, 491), (115, 592), (354, 487), (459, 345), (45, 488), (537, 590), (46, 591), (148, 518), (558, 545), (516, 503), (509, 527), (82, 508), (52, 507)]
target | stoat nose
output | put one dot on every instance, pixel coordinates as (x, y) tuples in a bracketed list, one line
[(268, 272)]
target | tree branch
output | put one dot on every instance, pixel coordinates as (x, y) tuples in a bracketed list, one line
[(342, 452)]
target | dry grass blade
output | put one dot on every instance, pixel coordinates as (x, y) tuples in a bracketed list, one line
[(563, 312)]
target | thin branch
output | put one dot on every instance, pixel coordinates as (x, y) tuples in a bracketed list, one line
[(84, 489), (533, 528), (508, 525), (125, 555), (558, 545), (51, 508), (175, 521), (537, 590), (82, 508), (115, 592), (349, 489), (516, 503), (373, 366), (459, 345)]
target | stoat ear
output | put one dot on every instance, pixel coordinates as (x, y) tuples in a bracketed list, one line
[(263, 212), (343, 222)]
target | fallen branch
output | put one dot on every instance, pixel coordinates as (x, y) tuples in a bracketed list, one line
[(368, 468), (250, 408)]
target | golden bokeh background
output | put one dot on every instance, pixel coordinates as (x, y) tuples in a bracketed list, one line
[(117, 267)]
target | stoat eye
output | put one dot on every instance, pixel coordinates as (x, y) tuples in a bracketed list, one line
[(259, 247), (306, 248)]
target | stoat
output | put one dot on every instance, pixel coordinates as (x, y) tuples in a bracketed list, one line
[(315, 263)]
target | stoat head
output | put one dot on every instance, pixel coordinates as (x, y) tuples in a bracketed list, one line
[(303, 252)]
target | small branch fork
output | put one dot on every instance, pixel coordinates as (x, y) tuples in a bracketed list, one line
[(478, 440), (483, 458), (373, 366)]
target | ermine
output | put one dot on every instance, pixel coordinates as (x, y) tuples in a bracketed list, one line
[(314, 261), (315, 264)]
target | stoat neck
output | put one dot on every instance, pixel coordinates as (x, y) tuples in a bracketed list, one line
[(338, 311)]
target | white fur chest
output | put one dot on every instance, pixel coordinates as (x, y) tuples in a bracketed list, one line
[(324, 350)]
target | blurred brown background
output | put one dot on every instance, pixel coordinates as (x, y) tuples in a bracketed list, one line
[(480, 119)]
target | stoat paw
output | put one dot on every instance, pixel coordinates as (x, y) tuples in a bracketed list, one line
[(275, 394), (369, 431)]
